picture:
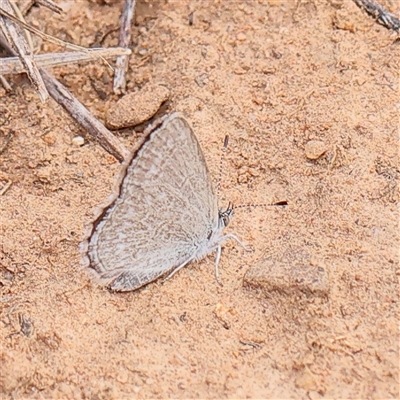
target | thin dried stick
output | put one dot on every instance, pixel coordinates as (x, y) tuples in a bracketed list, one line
[(13, 65), (27, 34), (124, 40), (6, 141), (14, 34), (27, 5), (5, 188), (5, 84), (385, 17), (50, 5)]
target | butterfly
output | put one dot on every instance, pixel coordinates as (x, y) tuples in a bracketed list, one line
[(163, 216)]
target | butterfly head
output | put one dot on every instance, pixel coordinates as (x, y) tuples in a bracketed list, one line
[(225, 216)]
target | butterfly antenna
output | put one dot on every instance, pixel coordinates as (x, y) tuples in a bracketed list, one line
[(278, 203), (221, 162), (231, 207)]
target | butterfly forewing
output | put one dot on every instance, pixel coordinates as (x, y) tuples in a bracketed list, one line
[(165, 208)]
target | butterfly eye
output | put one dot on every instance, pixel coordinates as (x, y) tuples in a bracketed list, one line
[(227, 219), (226, 215)]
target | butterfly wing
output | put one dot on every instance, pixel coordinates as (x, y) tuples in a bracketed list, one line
[(165, 209)]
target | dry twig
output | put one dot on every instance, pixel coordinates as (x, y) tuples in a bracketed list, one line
[(45, 3), (5, 188), (385, 17), (50, 5), (7, 140), (5, 84), (124, 40), (20, 16), (13, 65)]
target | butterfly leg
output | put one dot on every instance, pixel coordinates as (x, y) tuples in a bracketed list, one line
[(234, 237), (219, 250), (175, 270)]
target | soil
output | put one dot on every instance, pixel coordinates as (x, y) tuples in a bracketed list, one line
[(277, 77)]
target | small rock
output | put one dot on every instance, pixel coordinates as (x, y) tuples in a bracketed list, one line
[(315, 149), (122, 376), (78, 141), (49, 139), (288, 277), (136, 108), (241, 37), (44, 175), (221, 312), (306, 381), (201, 80), (341, 20)]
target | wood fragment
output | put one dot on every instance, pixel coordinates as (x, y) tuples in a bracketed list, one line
[(6, 141), (5, 84), (50, 5), (385, 17), (27, 34), (5, 188), (28, 4), (15, 36), (122, 62), (13, 65), (250, 343)]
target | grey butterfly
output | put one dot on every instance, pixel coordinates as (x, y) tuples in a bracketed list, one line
[(163, 215)]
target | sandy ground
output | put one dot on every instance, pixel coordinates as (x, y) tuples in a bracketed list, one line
[(274, 76)]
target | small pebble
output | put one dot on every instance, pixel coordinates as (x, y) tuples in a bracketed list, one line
[(241, 37), (315, 149), (78, 141), (49, 139), (44, 175), (136, 108)]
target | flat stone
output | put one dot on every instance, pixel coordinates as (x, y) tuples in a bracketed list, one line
[(288, 277), (136, 108), (315, 149)]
